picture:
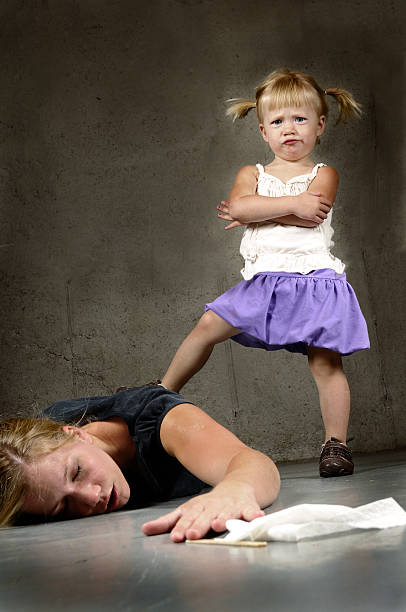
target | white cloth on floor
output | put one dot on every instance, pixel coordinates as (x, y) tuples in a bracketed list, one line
[(315, 520)]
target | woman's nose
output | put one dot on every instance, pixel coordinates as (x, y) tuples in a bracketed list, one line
[(86, 498)]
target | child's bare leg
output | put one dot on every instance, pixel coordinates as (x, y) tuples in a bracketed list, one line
[(334, 392), (196, 349)]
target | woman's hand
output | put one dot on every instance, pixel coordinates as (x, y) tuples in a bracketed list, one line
[(225, 214), (193, 519)]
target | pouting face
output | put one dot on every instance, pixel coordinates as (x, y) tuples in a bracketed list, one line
[(292, 132), (78, 479)]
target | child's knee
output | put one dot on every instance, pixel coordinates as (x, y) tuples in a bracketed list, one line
[(207, 322), (324, 364), (210, 326)]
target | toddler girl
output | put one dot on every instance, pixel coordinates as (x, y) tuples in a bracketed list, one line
[(294, 294)]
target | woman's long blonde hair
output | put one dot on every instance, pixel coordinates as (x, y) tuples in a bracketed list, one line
[(283, 88), (22, 441)]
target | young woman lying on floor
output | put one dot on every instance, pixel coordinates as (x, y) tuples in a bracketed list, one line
[(140, 446)]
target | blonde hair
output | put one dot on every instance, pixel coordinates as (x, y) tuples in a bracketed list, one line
[(22, 441), (284, 88)]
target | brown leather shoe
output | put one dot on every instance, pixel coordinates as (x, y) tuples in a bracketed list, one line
[(335, 459)]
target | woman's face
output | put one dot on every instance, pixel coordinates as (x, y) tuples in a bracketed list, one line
[(78, 479)]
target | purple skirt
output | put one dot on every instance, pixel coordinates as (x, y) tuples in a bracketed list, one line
[(281, 310)]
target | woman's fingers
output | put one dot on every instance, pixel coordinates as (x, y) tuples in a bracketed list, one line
[(195, 522), (163, 524), (248, 513), (191, 520), (252, 512), (197, 516)]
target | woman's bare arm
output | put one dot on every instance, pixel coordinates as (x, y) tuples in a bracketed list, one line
[(244, 479)]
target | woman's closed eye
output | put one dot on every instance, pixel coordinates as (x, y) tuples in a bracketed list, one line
[(77, 472), (63, 509)]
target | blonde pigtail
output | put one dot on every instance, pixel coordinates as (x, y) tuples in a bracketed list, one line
[(239, 108), (347, 106)]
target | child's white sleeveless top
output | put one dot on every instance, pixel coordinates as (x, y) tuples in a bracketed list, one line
[(276, 247)]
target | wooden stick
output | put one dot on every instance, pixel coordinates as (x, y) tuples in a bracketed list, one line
[(219, 542)]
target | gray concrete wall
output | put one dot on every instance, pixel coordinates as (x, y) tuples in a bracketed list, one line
[(114, 153)]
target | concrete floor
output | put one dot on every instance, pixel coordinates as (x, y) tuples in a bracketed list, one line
[(105, 563)]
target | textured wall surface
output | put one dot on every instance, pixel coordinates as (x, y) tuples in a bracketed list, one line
[(114, 153)]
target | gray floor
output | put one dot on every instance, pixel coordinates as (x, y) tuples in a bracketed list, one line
[(105, 563)]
